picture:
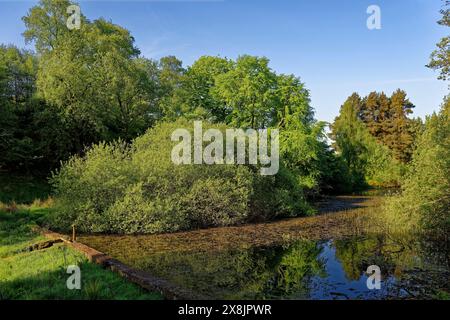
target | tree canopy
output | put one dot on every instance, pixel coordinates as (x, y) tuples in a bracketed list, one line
[(440, 58)]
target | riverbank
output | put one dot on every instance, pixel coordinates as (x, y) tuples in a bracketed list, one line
[(353, 213), (42, 273), (320, 257)]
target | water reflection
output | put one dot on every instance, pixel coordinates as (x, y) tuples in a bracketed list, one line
[(333, 269)]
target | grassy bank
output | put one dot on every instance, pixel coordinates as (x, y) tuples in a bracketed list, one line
[(42, 274), (22, 189)]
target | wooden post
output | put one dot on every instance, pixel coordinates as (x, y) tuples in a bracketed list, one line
[(74, 235)]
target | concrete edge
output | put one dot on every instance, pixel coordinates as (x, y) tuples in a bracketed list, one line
[(141, 278)]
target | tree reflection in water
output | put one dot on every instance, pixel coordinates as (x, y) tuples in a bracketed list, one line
[(306, 269)]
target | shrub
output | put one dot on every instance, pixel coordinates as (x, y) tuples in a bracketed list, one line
[(131, 189), (382, 169), (424, 202), (85, 187)]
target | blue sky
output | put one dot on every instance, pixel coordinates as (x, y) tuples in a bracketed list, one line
[(324, 42)]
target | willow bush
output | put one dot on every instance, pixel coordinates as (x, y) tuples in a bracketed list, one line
[(135, 188)]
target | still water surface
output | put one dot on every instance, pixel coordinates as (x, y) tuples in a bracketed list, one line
[(333, 269), (295, 267)]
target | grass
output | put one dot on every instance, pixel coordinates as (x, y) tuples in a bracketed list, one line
[(22, 189), (42, 274)]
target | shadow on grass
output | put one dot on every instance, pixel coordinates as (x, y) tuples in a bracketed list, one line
[(96, 284), (23, 189), (19, 227)]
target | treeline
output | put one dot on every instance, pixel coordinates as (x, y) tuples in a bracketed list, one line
[(93, 99), (425, 200), (88, 95), (423, 206), (396, 151), (375, 137), (381, 145), (92, 85)]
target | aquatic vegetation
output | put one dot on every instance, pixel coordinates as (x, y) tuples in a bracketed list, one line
[(319, 257)]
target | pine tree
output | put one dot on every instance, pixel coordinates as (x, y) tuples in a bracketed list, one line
[(387, 120), (398, 137), (440, 58)]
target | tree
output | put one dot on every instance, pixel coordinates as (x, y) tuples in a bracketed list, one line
[(440, 58), (46, 24), (348, 132), (93, 75), (32, 135), (302, 145), (189, 93), (248, 91), (375, 113), (398, 136), (198, 86), (170, 76), (388, 122), (368, 160), (370, 112), (424, 202), (293, 102), (17, 73)]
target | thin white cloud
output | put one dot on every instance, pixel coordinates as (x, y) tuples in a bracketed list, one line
[(396, 81), (157, 48)]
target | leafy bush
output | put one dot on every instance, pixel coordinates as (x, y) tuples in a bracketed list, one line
[(425, 199), (368, 161), (382, 169), (120, 188)]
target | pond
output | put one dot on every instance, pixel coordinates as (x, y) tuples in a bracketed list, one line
[(289, 259)]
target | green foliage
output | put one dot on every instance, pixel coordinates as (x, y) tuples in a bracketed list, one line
[(242, 273), (367, 160), (300, 150), (247, 89), (101, 86), (194, 96), (382, 169), (424, 202), (90, 85), (349, 135), (32, 134), (46, 24), (200, 84), (247, 93), (303, 149), (243, 93), (22, 189), (97, 88), (387, 120), (137, 189), (440, 58)]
